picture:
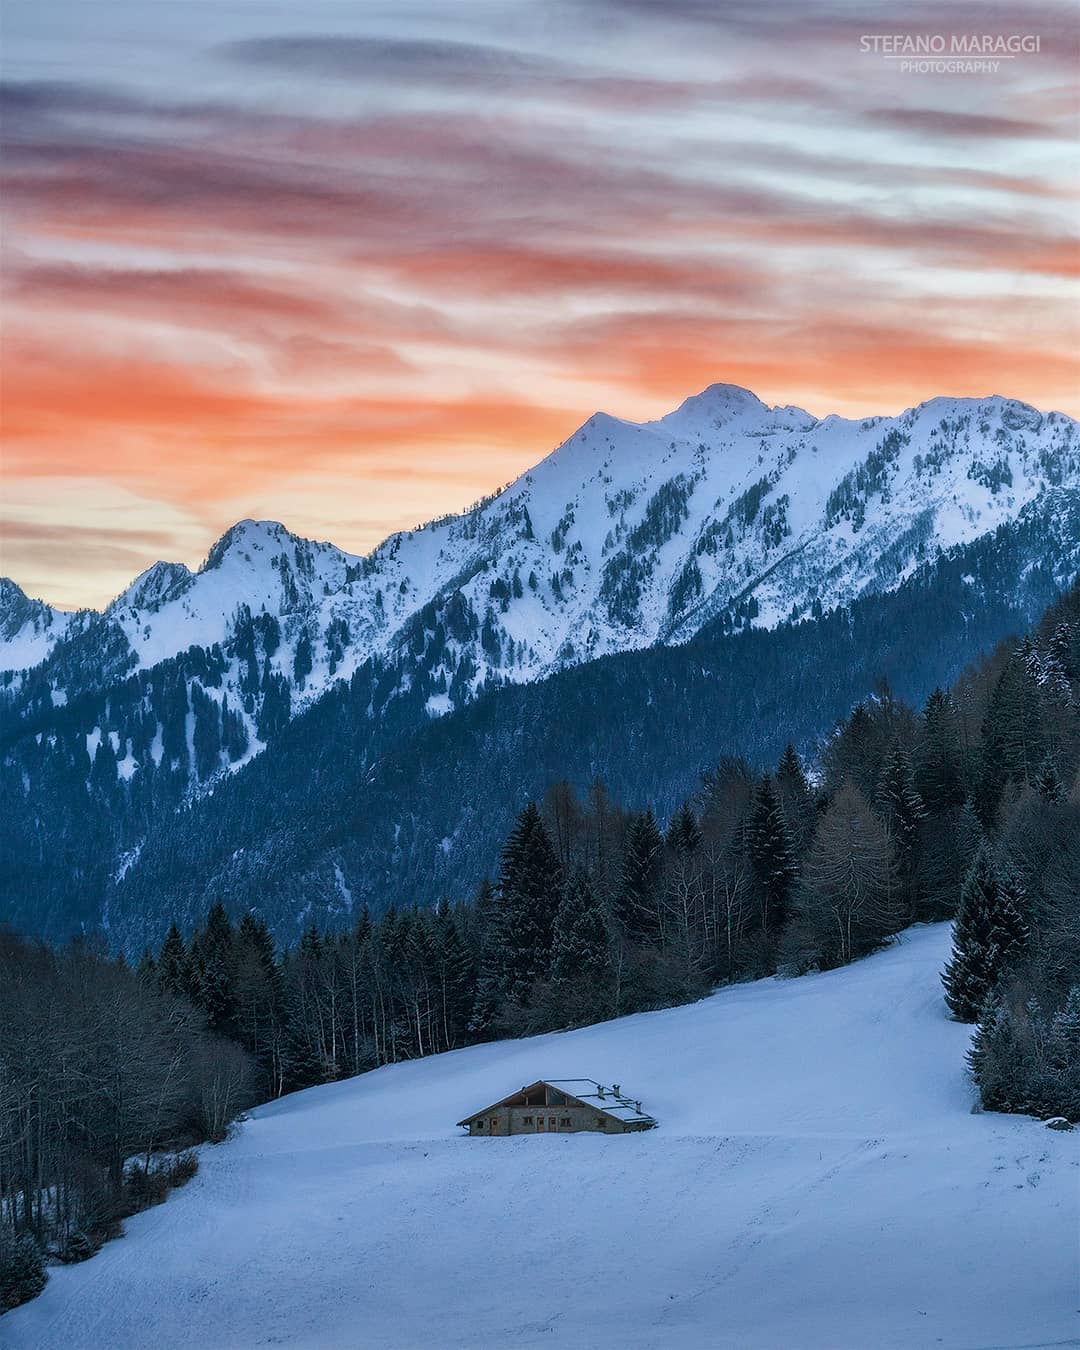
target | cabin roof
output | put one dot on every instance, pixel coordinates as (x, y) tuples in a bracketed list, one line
[(588, 1092)]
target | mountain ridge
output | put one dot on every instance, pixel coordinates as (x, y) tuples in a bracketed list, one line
[(624, 535)]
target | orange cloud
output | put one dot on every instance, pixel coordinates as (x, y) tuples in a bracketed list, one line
[(468, 248)]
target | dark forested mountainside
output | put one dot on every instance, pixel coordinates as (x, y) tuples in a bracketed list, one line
[(323, 826), (363, 798)]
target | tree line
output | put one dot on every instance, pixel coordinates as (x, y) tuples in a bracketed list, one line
[(104, 1080)]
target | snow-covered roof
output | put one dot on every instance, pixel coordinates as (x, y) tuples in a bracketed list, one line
[(590, 1093)]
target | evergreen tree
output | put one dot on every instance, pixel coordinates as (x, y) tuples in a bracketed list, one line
[(684, 834), (22, 1269), (213, 962), (234, 736), (1012, 734), (992, 1056), (939, 769), (172, 967), (637, 898), (796, 798), (457, 977), (988, 927), (1065, 1036), (1064, 649), (970, 837), (897, 799), (772, 858), (302, 660), (489, 975), (206, 735), (530, 892), (581, 965), (258, 993)]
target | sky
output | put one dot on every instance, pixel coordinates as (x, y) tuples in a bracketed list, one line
[(351, 265)]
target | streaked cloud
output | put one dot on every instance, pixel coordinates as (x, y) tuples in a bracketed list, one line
[(274, 259)]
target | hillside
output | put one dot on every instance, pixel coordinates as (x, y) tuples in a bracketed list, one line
[(818, 1179)]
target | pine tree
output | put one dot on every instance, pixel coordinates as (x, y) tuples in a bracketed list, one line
[(897, 799), (489, 971), (992, 1056), (684, 834), (581, 965), (1010, 927), (796, 798), (637, 898), (302, 660), (939, 768), (1064, 1045), (771, 857), (457, 977), (970, 836), (1065, 649), (1012, 734), (989, 927), (172, 967), (213, 962), (530, 892), (258, 991), (311, 943), (22, 1269), (206, 735)]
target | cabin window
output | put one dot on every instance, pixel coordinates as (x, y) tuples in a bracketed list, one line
[(526, 1120), (479, 1124), (565, 1122)]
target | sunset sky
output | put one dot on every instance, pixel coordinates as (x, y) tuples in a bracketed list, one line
[(350, 265)]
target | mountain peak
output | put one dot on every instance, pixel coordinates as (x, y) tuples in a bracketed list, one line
[(11, 593), (160, 582), (257, 534), (28, 628), (712, 408)]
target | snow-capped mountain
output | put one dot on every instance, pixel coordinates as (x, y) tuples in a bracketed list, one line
[(29, 629), (625, 536)]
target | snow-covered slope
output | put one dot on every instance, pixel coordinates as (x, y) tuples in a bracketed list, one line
[(817, 1181), (29, 629), (257, 564), (624, 536)]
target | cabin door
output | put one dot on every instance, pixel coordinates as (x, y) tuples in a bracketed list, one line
[(539, 1124)]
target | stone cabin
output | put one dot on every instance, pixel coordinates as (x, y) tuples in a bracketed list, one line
[(561, 1106)]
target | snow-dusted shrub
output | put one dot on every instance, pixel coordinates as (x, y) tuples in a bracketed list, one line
[(22, 1269)]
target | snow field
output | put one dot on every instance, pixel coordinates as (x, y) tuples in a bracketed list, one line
[(818, 1182)]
